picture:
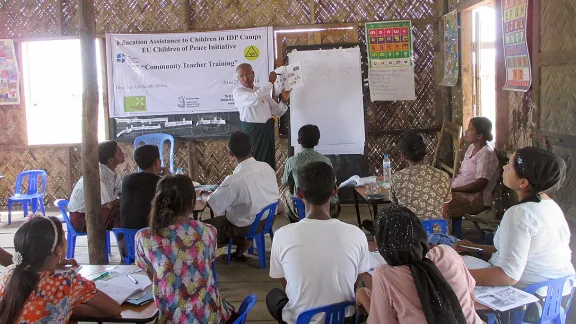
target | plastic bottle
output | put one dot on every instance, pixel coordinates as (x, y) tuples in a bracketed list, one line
[(386, 169), (179, 171)]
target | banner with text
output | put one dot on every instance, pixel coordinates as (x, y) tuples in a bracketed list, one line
[(183, 73)]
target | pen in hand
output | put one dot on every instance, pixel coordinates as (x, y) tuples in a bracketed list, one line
[(132, 278)]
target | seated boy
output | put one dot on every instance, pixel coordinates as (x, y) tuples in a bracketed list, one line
[(243, 194), (110, 156), (318, 259), (138, 189), (308, 137)]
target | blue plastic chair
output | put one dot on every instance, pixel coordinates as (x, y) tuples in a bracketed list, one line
[(457, 227), (431, 224), (62, 204), (34, 194), (270, 210), (335, 313), (299, 207), (158, 140), (245, 308), (552, 311), (129, 235)]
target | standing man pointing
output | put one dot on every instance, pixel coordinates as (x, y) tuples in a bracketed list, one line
[(256, 107)]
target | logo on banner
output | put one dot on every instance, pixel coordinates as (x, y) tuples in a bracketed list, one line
[(120, 58), (135, 104), (251, 53)]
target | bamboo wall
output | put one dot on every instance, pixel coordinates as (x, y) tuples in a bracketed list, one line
[(54, 18)]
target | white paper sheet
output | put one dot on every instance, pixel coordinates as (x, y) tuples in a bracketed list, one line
[(502, 298), (332, 99), (475, 263), (390, 84)]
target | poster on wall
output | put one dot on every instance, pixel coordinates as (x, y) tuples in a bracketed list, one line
[(183, 73), (390, 60), (516, 56), (451, 54), (9, 84)]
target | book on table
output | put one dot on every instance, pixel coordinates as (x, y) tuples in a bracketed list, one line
[(502, 298), (356, 181), (121, 288)]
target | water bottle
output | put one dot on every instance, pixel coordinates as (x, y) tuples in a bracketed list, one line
[(386, 170), (179, 171)]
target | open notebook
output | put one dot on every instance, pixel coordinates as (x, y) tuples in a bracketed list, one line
[(120, 287), (375, 260)]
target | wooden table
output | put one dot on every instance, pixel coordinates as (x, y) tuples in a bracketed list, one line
[(199, 207), (130, 313), (360, 193)]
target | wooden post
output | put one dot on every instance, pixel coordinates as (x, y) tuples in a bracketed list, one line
[(90, 171)]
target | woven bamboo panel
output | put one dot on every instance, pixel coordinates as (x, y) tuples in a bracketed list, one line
[(53, 159), (558, 26), (13, 125), (419, 113), (520, 118), (566, 196), (558, 99), (129, 16), (35, 18), (377, 146), (225, 14), (339, 11)]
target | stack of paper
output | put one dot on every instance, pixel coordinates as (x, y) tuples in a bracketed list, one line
[(356, 181)]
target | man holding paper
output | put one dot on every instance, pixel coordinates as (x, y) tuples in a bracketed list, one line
[(257, 106)]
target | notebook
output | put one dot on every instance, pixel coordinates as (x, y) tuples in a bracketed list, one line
[(119, 287)]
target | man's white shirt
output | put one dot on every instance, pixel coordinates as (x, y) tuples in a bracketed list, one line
[(256, 105)]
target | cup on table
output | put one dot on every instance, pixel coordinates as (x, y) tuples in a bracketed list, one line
[(372, 188)]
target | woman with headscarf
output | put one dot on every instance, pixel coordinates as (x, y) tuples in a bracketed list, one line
[(532, 243), (417, 285)]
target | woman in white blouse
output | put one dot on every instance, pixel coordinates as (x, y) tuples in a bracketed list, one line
[(532, 243)]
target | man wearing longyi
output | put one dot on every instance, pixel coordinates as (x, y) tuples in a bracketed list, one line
[(257, 106)]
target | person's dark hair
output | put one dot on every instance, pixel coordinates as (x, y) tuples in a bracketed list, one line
[(412, 146), (544, 170), (146, 155), (483, 126), (402, 241), (106, 151), (239, 144), (175, 196), (242, 65), (33, 241), (309, 136), (316, 180)]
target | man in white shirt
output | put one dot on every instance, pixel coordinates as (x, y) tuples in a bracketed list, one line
[(319, 259), (256, 107), (243, 194), (110, 156)]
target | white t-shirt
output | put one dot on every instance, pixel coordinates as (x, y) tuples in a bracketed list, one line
[(256, 105), (321, 260), (532, 243)]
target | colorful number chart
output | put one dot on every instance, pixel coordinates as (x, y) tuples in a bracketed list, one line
[(516, 55), (389, 44)]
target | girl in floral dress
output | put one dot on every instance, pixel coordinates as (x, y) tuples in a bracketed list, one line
[(32, 292), (177, 253)]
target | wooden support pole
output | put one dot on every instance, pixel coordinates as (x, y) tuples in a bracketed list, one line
[(90, 171)]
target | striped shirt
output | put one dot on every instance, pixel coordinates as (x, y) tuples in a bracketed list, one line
[(110, 188)]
